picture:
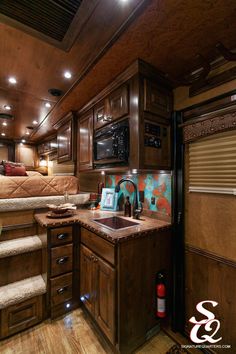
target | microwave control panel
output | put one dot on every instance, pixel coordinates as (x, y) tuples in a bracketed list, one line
[(154, 134)]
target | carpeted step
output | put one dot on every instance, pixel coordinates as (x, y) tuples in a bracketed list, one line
[(19, 291), (20, 245)]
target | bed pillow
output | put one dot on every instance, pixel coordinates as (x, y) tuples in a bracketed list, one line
[(12, 169)]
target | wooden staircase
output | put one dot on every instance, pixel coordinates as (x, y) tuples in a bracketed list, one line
[(22, 286)]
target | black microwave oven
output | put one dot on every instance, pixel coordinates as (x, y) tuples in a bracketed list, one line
[(111, 145)]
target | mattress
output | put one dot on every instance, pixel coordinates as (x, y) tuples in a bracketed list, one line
[(34, 186)]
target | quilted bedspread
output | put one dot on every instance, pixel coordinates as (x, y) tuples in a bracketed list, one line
[(33, 186)]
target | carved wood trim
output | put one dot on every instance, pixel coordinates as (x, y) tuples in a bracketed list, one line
[(209, 126), (210, 255)]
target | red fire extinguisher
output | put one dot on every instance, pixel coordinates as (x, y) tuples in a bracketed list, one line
[(161, 296)]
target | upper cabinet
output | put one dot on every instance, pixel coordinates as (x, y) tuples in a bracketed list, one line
[(26, 154), (139, 98), (85, 142), (64, 142), (157, 99), (66, 138), (114, 106)]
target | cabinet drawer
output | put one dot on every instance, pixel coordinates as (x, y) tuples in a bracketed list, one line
[(61, 289), (97, 244), (18, 317), (61, 259), (61, 235)]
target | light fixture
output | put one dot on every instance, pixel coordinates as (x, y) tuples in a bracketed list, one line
[(7, 107), (12, 80), (102, 173), (43, 162), (68, 305), (23, 140), (5, 124), (27, 133), (67, 74), (47, 104), (3, 134), (35, 122), (134, 171)]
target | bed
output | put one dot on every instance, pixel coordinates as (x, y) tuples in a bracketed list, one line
[(37, 186)]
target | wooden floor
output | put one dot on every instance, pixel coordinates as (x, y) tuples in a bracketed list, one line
[(69, 335)]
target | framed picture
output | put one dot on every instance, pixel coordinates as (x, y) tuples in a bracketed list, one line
[(109, 199)]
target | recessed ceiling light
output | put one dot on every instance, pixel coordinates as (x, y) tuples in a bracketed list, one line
[(23, 140), (67, 74), (27, 133), (47, 104), (35, 122), (7, 107), (12, 80), (5, 124), (3, 134)]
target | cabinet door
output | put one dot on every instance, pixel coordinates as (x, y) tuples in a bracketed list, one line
[(85, 141), (118, 103), (64, 142), (100, 114), (105, 298), (157, 100), (87, 278)]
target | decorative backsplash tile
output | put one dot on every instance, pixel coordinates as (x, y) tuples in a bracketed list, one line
[(156, 187)]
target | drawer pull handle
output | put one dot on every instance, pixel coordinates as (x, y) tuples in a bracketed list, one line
[(62, 260), (62, 236), (62, 290)]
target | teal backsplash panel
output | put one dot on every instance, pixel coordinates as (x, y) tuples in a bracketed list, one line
[(153, 185)]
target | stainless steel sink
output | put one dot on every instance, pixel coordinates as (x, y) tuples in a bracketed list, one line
[(115, 223)]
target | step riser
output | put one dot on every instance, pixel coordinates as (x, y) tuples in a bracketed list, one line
[(20, 267), (18, 232)]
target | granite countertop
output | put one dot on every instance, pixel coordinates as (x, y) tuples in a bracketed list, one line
[(85, 218)]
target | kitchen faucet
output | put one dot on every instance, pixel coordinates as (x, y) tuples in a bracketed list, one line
[(136, 209)]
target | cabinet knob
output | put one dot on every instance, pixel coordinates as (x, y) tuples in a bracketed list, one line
[(61, 290), (62, 236), (107, 119), (62, 260), (95, 259)]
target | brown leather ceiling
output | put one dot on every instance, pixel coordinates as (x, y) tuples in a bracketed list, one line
[(167, 34)]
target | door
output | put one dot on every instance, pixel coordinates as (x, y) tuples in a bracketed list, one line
[(85, 141), (87, 278), (105, 298)]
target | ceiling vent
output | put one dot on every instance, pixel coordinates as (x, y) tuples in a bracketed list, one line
[(55, 92), (51, 18)]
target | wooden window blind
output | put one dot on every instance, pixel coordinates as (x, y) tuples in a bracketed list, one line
[(212, 164)]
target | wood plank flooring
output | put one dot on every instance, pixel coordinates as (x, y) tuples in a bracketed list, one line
[(69, 335)]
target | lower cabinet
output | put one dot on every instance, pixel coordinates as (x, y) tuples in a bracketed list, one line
[(97, 290), (118, 282)]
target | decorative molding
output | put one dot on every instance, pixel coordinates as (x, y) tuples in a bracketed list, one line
[(214, 190), (210, 255), (17, 227), (209, 126)]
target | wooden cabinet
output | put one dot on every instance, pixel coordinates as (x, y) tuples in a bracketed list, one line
[(97, 290), (85, 141), (62, 260), (117, 285), (157, 99), (114, 106), (47, 147), (64, 142)]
